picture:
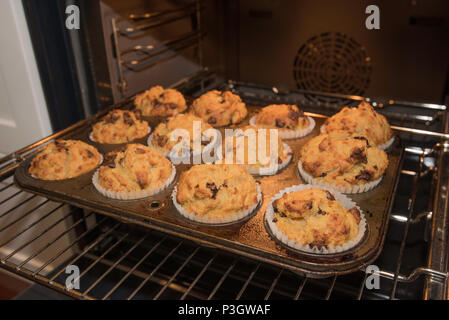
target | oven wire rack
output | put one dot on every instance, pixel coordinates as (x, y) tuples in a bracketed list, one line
[(41, 238)]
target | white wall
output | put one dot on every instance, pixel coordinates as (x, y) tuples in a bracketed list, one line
[(23, 111)]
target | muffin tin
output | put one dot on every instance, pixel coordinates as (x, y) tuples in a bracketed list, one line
[(249, 237)]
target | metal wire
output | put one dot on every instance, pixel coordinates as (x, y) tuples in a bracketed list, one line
[(197, 285), (153, 272)]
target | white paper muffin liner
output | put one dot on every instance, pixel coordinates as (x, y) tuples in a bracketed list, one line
[(290, 134), (383, 146), (205, 150), (347, 203), (125, 195), (91, 138), (343, 189), (387, 144), (235, 217)]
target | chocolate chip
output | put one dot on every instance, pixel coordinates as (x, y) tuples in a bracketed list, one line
[(323, 175), (111, 165), (110, 157), (172, 106), (224, 185), (89, 154), (212, 120), (161, 140), (128, 119), (213, 188), (294, 115), (275, 220), (321, 212), (356, 213), (330, 196), (308, 205), (280, 123), (112, 117), (141, 181), (275, 206), (375, 167), (319, 244), (358, 154), (138, 113), (60, 143), (364, 175), (362, 138), (61, 146)]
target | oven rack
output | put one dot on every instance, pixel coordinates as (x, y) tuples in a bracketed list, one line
[(152, 55), (161, 263), (119, 264)]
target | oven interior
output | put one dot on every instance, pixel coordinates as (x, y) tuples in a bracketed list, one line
[(267, 52)]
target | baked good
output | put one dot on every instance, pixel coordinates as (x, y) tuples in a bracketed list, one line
[(119, 126), (350, 165), (216, 193), (243, 148), (134, 171), (64, 159), (288, 119), (342, 162), (312, 218), (219, 108), (160, 139), (160, 102), (362, 121)]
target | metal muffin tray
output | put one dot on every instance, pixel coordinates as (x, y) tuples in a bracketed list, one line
[(249, 238)]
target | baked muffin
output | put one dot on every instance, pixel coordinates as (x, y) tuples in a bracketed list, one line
[(314, 218), (160, 139), (288, 119), (362, 121), (160, 102), (220, 108), (216, 193), (119, 126), (135, 171), (243, 148), (342, 162), (64, 159)]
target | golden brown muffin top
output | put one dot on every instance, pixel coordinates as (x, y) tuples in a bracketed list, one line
[(160, 102), (282, 116), (343, 161), (250, 151), (64, 159), (314, 217), (119, 126), (133, 168), (220, 108), (361, 121), (216, 189), (162, 133)]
